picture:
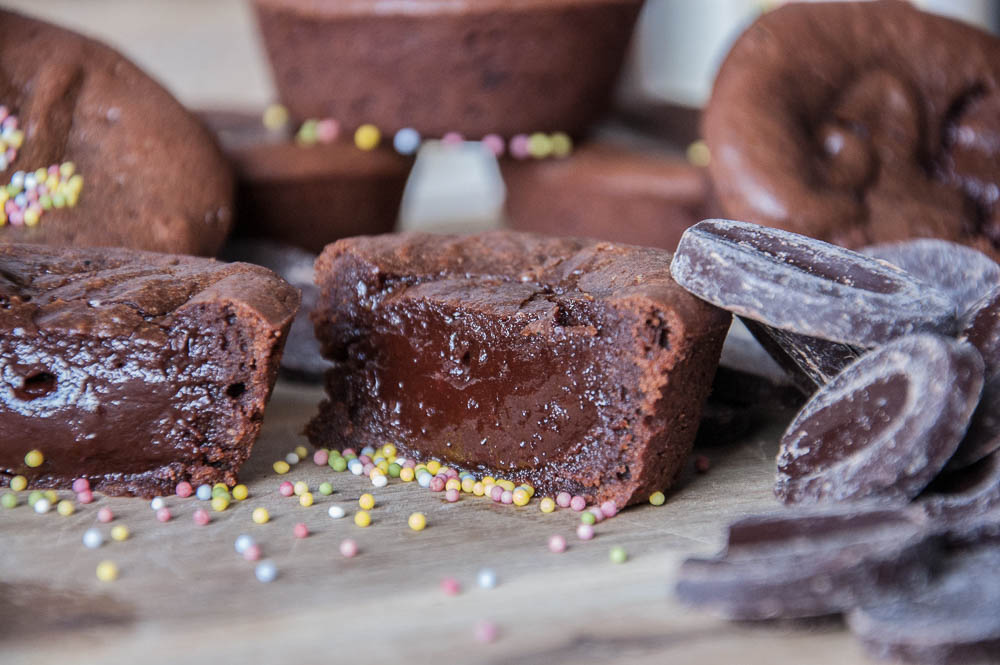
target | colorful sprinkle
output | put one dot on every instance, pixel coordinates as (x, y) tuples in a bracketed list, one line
[(562, 145), (699, 154), (184, 489), (242, 542), (557, 544), (494, 143), (81, 484), (300, 488), (252, 553), (539, 145), (362, 518), (321, 457), (301, 451), (201, 517), (119, 533), (486, 578), (406, 141), (105, 515), (327, 131), (306, 499), (260, 515), (92, 539), (379, 480), (107, 571), (452, 139), (563, 499), (241, 492), (367, 137), (486, 632), (286, 489), (520, 147), (338, 464), (326, 489), (220, 503), (18, 483), (618, 554), (520, 497), (587, 517), (157, 503), (34, 458), (585, 531), (609, 508), (578, 503), (547, 505), (596, 512), (8, 500), (281, 467), (86, 496), (657, 498), (417, 521), (65, 508), (366, 501), (163, 514), (450, 586), (292, 458), (300, 530), (204, 492), (307, 134), (336, 512), (275, 117), (42, 506), (348, 548), (265, 571)]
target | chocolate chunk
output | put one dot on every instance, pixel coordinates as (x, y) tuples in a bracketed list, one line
[(132, 369), (806, 286), (810, 362), (570, 364), (982, 329), (824, 122), (963, 274), (153, 177), (808, 563), (885, 426), (956, 619)]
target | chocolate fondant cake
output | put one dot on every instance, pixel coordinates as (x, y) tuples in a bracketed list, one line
[(502, 66), (609, 192), (154, 178), (134, 370), (308, 196), (571, 364), (860, 123)]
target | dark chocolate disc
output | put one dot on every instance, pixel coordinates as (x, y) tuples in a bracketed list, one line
[(983, 437), (982, 328), (809, 361), (954, 620), (962, 273), (885, 426), (964, 494), (809, 563), (805, 286)]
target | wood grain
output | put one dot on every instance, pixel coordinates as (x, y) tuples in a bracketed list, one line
[(184, 592)]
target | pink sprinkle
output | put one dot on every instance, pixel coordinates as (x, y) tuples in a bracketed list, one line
[(321, 457), (300, 530), (252, 553), (452, 138), (702, 464), (437, 484), (163, 514), (367, 469), (10, 122), (609, 509), (184, 489), (327, 131), (557, 544), (81, 484), (86, 496), (409, 464), (105, 515), (497, 493), (449, 472), (201, 517), (563, 499), (348, 548), (596, 512), (16, 218), (54, 169), (364, 459), (286, 489), (584, 532), (4, 112), (519, 147), (348, 451), (486, 632), (578, 503), (451, 495), (450, 586), (494, 144), (507, 497)]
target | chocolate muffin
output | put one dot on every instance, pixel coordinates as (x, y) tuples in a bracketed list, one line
[(132, 369), (610, 192), (860, 123), (153, 177), (570, 364), (308, 195), (500, 66)]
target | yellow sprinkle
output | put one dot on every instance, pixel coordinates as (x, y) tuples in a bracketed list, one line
[(539, 145), (119, 532), (433, 467), (41, 175), (367, 137), (506, 484), (417, 521), (521, 497), (302, 452), (51, 496), (281, 467), (467, 484), (383, 466), (562, 144), (699, 154), (3, 215), (107, 571), (75, 184), (479, 489), (362, 518), (18, 483), (219, 503), (489, 480), (65, 508), (240, 492), (406, 474), (366, 501), (275, 117), (547, 504), (67, 169), (389, 450), (260, 515), (34, 458), (31, 217), (301, 488), (657, 498), (306, 499), (453, 484), (16, 138)]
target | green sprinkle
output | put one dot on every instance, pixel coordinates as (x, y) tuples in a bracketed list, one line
[(34, 497), (46, 202), (58, 200), (587, 517), (326, 489), (335, 453), (338, 464), (307, 132), (394, 470), (657, 498), (220, 491), (350, 456), (618, 554), (8, 500)]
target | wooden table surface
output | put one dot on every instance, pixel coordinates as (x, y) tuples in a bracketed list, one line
[(184, 593)]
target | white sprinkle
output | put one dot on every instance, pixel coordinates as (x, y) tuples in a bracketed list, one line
[(266, 571), (424, 478), (42, 506), (355, 467), (92, 539), (243, 543), (406, 141), (157, 503), (204, 492), (486, 578), (379, 480), (336, 512), (368, 450), (292, 458)]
